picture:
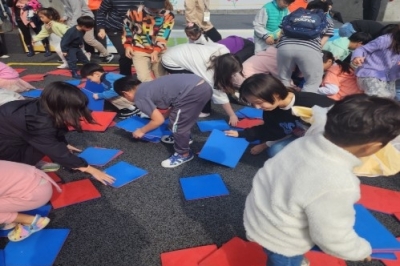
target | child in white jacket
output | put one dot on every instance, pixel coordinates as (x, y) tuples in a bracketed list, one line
[(291, 209)]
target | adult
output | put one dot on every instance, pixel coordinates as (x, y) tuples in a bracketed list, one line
[(198, 12), (110, 22), (21, 17), (32, 129), (74, 9), (371, 9)]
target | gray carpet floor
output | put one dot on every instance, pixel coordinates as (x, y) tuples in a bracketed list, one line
[(132, 225)]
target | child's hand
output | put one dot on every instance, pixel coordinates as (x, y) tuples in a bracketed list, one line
[(368, 259), (154, 56), (270, 40), (72, 149), (257, 149), (233, 120), (64, 54), (101, 34), (138, 134), (102, 177), (129, 52), (95, 96), (231, 133), (358, 61)]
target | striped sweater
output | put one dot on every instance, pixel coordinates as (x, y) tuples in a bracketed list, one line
[(111, 14), (147, 32)]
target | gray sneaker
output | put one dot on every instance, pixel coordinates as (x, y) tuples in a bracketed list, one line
[(48, 167)]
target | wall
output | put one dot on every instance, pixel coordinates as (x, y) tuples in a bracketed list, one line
[(226, 4)]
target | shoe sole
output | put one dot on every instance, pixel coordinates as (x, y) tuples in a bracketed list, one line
[(173, 166)]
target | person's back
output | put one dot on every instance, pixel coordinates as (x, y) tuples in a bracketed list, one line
[(291, 209), (339, 47)]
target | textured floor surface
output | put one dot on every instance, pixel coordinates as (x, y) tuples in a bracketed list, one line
[(132, 225)]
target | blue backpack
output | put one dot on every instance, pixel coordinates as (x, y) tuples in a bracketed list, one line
[(304, 24)]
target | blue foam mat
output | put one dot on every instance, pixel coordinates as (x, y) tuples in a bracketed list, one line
[(98, 156), (2, 258), (40, 248), (94, 87), (35, 93), (124, 173), (133, 123), (249, 112), (74, 82), (94, 105), (209, 125), (223, 149), (42, 211), (204, 186)]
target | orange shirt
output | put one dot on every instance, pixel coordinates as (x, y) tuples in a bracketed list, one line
[(94, 4), (297, 4), (346, 82)]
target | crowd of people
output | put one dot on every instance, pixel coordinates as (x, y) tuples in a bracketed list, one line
[(291, 61)]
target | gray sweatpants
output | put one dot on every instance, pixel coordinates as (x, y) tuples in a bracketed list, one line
[(307, 59), (185, 113)]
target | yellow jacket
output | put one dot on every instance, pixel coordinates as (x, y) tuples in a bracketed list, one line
[(57, 28)]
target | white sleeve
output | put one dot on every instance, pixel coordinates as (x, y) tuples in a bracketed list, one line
[(219, 97), (331, 219), (328, 89)]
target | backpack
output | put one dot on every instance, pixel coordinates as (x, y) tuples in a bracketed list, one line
[(305, 24)]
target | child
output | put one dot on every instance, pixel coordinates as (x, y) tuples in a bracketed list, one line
[(9, 80), (379, 65), (50, 17), (266, 23), (147, 30), (291, 209), (184, 94), (23, 188), (266, 92), (32, 129), (72, 42), (240, 47), (342, 47), (304, 52), (339, 81), (214, 64), (95, 73)]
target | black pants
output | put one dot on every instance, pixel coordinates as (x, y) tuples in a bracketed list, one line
[(247, 51), (3, 49), (125, 64), (214, 35), (371, 9), (26, 33), (74, 56)]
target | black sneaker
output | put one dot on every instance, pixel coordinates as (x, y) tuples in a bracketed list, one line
[(126, 113), (170, 139)]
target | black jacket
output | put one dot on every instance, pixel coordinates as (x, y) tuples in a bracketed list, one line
[(73, 38), (27, 131), (279, 123)]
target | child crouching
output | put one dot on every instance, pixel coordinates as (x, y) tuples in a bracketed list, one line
[(184, 94), (291, 209)]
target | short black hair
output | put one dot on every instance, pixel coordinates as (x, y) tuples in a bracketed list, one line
[(263, 86), (326, 55), (89, 68), (360, 119), (85, 21), (318, 4), (289, 1), (361, 37), (126, 84)]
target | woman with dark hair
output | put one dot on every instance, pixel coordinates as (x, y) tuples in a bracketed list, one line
[(32, 129), (214, 64)]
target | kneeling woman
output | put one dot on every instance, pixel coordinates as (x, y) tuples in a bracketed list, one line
[(32, 129)]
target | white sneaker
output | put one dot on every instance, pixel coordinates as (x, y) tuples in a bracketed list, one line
[(4, 56), (203, 115), (64, 65), (88, 55)]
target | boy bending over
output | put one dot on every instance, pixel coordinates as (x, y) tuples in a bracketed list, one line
[(291, 209), (184, 94)]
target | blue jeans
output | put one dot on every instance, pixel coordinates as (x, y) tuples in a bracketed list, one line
[(275, 259), (277, 147)]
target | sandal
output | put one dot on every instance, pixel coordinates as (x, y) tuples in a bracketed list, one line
[(21, 232)]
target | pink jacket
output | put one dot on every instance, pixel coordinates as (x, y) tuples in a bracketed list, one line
[(7, 72)]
